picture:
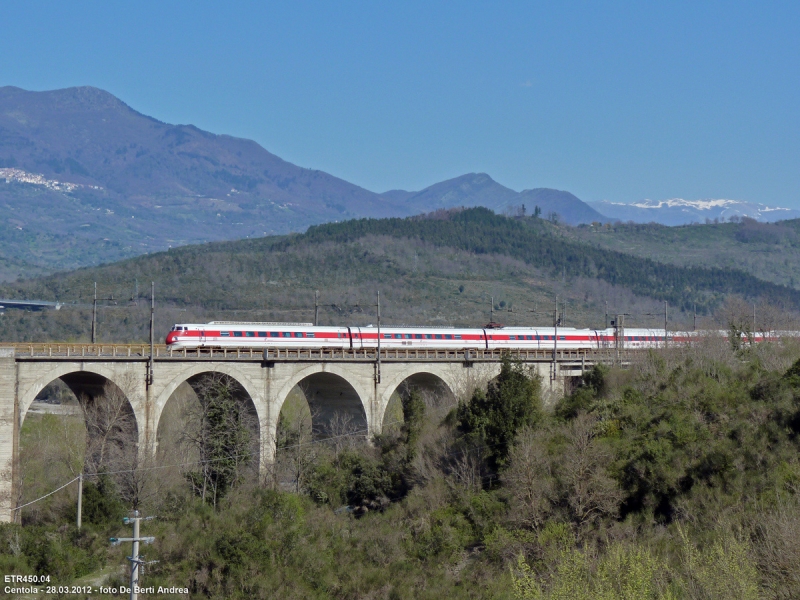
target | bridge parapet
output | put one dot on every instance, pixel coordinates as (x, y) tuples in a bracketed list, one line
[(141, 352)]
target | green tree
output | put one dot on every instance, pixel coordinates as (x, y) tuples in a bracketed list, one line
[(218, 430), (492, 419)]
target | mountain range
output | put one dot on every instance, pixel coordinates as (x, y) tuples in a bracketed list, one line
[(86, 179)]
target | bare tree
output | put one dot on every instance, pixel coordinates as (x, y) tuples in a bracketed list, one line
[(111, 429), (529, 478), (296, 451), (343, 433), (468, 469), (573, 480), (112, 444), (588, 490)]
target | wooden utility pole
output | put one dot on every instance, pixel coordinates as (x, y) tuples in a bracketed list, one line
[(694, 323), (316, 308), (491, 311), (94, 315), (606, 314)]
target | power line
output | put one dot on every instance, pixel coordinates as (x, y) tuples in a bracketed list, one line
[(46, 495)]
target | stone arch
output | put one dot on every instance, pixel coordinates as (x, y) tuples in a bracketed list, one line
[(436, 387), (329, 389), (251, 388), (89, 379), (244, 390)]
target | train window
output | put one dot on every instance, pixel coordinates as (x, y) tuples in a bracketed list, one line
[(458, 336), (274, 334), (237, 334), (530, 337), (512, 337), (262, 334), (428, 336), (287, 334), (387, 336), (311, 334), (298, 334), (225, 333), (408, 336), (250, 334), (418, 336), (561, 337), (438, 336), (398, 336), (447, 336)]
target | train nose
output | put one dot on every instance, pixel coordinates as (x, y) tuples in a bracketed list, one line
[(172, 337)]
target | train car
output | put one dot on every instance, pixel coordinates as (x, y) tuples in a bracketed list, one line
[(243, 334)]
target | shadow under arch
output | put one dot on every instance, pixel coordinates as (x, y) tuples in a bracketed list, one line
[(435, 391), (89, 382), (334, 403), (91, 389)]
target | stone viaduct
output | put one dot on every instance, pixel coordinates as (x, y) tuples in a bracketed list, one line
[(350, 382)]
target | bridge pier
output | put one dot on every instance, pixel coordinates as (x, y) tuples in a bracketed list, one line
[(9, 433)]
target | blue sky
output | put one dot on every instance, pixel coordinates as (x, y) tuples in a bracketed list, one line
[(616, 101)]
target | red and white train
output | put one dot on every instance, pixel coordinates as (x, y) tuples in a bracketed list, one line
[(233, 334)]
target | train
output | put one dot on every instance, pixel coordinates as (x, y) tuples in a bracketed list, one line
[(242, 334)]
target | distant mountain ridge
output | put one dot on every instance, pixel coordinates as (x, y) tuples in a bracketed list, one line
[(88, 179), (677, 211), (479, 189)]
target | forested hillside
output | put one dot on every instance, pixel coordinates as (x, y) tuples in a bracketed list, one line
[(770, 251), (445, 268)]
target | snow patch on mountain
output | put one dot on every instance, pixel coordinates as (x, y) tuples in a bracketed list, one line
[(678, 211)]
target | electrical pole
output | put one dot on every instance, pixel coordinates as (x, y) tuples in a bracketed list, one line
[(665, 323), (606, 314), (754, 319), (94, 315), (316, 308), (80, 499), (134, 558), (491, 311), (555, 336), (564, 314), (694, 325), (149, 377), (378, 364)]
